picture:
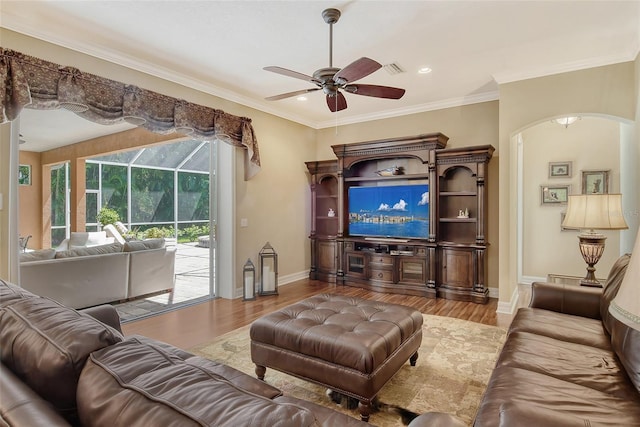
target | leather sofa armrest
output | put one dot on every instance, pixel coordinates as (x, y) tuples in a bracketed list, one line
[(21, 406), (437, 419), (105, 313), (568, 299)]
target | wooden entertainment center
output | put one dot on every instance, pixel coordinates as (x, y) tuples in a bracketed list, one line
[(447, 260)]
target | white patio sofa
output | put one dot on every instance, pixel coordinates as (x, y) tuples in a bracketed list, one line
[(84, 277)]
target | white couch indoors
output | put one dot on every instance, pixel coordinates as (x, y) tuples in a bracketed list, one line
[(84, 276)]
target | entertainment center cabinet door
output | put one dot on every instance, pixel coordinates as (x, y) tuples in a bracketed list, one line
[(355, 265), (327, 257), (461, 268)]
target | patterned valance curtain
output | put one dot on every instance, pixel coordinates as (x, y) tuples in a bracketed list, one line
[(35, 83)]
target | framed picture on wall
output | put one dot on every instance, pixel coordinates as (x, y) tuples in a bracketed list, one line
[(554, 194), (560, 169), (595, 182), (24, 175)]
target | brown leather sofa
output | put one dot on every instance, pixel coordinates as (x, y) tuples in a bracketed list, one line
[(65, 367), (566, 362)]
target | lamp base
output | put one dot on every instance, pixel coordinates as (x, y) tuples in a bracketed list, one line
[(591, 248)]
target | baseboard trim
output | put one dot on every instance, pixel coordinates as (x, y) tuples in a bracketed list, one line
[(294, 277), (510, 306), (494, 293)]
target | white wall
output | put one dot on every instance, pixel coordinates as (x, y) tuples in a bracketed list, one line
[(590, 143)]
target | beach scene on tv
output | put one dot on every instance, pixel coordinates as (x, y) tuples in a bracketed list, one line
[(391, 211)]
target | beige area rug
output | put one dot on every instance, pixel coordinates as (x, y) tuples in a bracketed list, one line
[(454, 364)]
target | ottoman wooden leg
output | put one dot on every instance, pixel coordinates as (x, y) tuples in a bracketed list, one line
[(365, 410), (260, 371), (413, 359)]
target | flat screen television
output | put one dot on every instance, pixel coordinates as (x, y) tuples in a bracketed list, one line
[(391, 211)]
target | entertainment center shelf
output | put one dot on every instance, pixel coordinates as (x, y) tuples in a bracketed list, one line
[(407, 216), (387, 178)]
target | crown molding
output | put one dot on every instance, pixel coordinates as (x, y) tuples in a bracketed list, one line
[(567, 67), (421, 108)]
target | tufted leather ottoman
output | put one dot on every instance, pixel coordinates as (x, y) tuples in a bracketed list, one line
[(347, 344)]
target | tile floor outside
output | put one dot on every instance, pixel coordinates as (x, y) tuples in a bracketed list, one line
[(191, 285)]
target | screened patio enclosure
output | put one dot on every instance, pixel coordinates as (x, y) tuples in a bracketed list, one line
[(158, 191), (164, 186)]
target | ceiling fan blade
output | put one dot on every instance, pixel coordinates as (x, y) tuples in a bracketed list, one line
[(336, 102), (356, 70), (376, 91), (290, 73), (290, 94)]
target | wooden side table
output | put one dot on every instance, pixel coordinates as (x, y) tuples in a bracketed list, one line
[(568, 280)]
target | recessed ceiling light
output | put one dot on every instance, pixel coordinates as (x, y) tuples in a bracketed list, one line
[(424, 70), (301, 98)]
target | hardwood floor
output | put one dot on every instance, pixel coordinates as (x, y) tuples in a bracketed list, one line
[(190, 326)]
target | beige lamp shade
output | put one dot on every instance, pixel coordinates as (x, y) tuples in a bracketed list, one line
[(626, 305), (595, 212)]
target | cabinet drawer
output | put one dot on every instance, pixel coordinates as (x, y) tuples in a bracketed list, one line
[(382, 259), (421, 251), (382, 275), (348, 246)]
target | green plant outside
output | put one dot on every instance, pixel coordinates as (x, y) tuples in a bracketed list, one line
[(108, 216)]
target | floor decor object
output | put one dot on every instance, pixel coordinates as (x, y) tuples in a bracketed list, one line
[(451, 374)]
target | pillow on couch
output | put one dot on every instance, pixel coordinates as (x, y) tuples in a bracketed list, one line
[(40, 255), (143, 245), (81, 239), (159, 388), (93, 250), (46, 345)]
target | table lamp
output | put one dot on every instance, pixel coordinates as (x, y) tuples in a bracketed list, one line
[(590, 212), (626, 305)]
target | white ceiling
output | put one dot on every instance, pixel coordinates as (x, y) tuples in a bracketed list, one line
[(220, 47)]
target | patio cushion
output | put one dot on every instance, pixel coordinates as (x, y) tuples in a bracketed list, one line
[(84, 239), (38, 255), (93, 250), (143, 245)]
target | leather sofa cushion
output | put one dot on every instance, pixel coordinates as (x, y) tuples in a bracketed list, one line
[(46, 345), (143, 245), (563, 327), (328, 417), (524, 414), (588, 366), (611, 287), (92, 250), (10, 293), (510, 384), (236, 377), (40, 255), (136, 384)]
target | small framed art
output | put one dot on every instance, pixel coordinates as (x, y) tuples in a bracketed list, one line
[(560, 169), (554, 194), (24, 175), (595, 182)]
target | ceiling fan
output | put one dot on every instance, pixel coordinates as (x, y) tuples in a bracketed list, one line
[(331, 79)]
